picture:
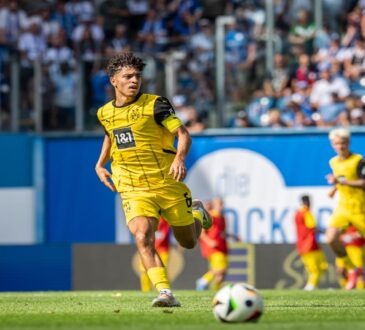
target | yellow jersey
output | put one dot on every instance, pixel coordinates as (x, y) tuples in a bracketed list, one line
[(142, 142), (352, 168)]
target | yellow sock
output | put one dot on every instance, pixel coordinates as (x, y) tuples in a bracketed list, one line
[(342, 282), (313, 279), (158, 277), (360, 284), (216, 286), (208, 277), (198, 215), (145, 282)]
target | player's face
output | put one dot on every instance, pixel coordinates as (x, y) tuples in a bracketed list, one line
[(127, 82), (341, 146)]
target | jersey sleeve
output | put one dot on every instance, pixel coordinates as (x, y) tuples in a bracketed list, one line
[(99, 116), (361, 169), (309, 220), (165, 115)]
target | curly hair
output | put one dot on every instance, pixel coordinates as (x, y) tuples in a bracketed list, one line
[(126, 59)]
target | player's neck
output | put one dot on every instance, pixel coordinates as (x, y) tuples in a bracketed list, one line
[(345, 155), (122, 100)]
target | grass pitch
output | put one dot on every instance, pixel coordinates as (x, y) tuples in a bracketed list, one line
[(130, 310)]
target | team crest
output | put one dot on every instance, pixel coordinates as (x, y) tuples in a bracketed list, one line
[(127, 207), (134, 114)]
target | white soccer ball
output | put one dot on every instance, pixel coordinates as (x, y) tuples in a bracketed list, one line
[(238, 302)]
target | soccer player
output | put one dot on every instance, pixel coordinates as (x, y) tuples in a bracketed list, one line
[(348, 176), (353, 243), (162, 245), (213, 244), (147, 170), (308, 248)]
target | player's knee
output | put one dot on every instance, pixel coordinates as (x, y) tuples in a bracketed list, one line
[(188, 243), (141, 238)]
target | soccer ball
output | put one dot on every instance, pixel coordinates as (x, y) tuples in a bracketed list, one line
[(238, 302)]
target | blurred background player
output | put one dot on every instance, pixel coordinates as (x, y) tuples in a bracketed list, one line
[(348, 177), (307, 246), (162, 245), (354, 244), (213, 245)]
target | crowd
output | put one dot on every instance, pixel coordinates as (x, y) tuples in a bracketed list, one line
[(317, 78)]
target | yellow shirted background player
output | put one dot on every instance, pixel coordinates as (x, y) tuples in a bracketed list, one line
[(348, 177), (147, 170)]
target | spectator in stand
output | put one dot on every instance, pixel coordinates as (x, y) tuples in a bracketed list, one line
[(302, 33), (138, 10), (240, 55), (257, 110), (67, 20), (241, 120), (119, 43), (297, 112), (64, 82), (193, 123), (355, 61), (153, 36), (357, 117), (279, 78), (100, 86), (58, 52), (50, 26), (186, 15), (353, 30), (328, 95), (88, 37), (334, 52), (202, 45), (13, 21), (32, 46), (274, 119), (114, 13), (79, 8), (304, 72)]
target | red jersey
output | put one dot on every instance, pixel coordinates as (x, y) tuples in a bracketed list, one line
[(306, 231), (349, 237), (162, 236), (217, 233)]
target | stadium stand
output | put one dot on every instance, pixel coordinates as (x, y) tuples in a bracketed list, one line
[(318, 77)]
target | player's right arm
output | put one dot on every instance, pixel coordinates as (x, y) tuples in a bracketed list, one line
[(103, 174)]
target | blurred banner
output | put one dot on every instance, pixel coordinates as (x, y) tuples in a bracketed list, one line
[(50, 193), (17, 190), (115, 267)]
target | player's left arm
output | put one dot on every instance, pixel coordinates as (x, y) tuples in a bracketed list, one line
[(165, 116), (359, 182), (104, 157), (178, 168)]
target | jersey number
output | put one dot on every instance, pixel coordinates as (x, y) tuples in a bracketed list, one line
[(124, 138), (188, 200)]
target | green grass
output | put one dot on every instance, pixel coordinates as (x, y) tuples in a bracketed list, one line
[(130, 310)]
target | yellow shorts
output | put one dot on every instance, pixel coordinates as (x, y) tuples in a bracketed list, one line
[(218, 261), (342, 219), (314, 261), (173, 202), (356, 255)]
